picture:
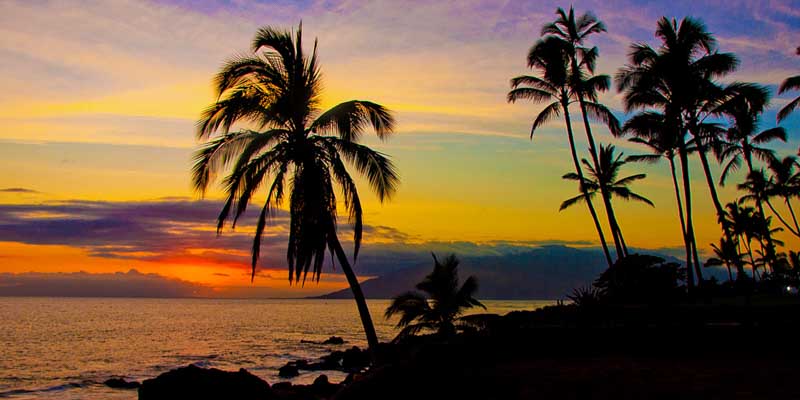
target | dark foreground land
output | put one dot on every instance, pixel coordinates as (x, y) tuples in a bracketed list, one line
[(564, 352)]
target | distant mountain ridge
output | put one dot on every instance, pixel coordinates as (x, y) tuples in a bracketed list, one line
[(547, 272)]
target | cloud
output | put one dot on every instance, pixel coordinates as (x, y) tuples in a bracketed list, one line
[(83, 284), (19, 190)]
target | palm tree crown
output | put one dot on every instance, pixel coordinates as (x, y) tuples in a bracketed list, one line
[(293, 149), (606, 177), (441, 304)]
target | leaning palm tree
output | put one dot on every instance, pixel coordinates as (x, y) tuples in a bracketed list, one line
[(791, 83), (552, 60), (605, 180), (441, 304), (784, 182), (572, 32), (294, 149)]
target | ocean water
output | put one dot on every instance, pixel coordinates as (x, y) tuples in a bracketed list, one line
[(64, 348)]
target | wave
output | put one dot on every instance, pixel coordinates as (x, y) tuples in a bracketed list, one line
[(56, 388)]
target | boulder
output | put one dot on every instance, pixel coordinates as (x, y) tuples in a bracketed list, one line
[(333, 340), (192, 382), (119, 383), (355, 359), (288, 371)]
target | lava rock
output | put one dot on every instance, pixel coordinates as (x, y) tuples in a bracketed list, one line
[(193, 382), (119, 383), (334, 340), (288, 371)]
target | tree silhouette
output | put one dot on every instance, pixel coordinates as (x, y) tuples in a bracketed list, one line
[(440, 304), (551, 60), (784, 182), (791, 83), (295, 150), (606, 180), (678, 80), (572, 32)]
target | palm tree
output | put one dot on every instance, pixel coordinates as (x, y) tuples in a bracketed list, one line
[(743, 142), (743, 221), (605, 180), (441, 304), (791, 83), (572, 32), (726, 254), (295, 149), (551, 60), (678, 80), (757, 187), (648, 129), (785, 183)]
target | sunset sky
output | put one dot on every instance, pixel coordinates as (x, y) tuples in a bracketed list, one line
[(99, 101)]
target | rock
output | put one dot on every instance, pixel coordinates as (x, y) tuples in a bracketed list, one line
[(334, 340), (355, 359), (282, 386), (288, 371), (119, 383), (197, 383), (323, 388)]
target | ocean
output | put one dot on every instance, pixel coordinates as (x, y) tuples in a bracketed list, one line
[(64, 348)]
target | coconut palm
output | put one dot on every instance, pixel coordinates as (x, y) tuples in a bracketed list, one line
[(726, 254), (572, 32), (743, 141), (648, 128), (791, 83), (552, 87), (677, 79), (439, 305), (605, 180), (757, 188), (292, 149), (785, 183)]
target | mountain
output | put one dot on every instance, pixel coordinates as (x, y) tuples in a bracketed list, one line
[(548, 272)]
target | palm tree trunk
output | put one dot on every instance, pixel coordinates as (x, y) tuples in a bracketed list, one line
[(791, 212), (358, 295), (752, 259), (686, 242), (730, 274), (579, 171), (612, 220), (687, 195), (780, 218)]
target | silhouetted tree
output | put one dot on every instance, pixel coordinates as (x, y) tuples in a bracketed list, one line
[(791, 83), (295, 150), (439, 305), (677, 79), (572, 32), (605, 180), (726, 254), (551, 60), (641, 278), (784, 182)]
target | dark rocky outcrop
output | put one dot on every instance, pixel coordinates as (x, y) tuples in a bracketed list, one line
[(288, 371), (120, 383), (192, 382), (334, 340)]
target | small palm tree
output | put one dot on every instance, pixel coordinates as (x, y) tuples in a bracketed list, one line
[(441, 304), (294, 150), (605, 179), (726, 254)]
